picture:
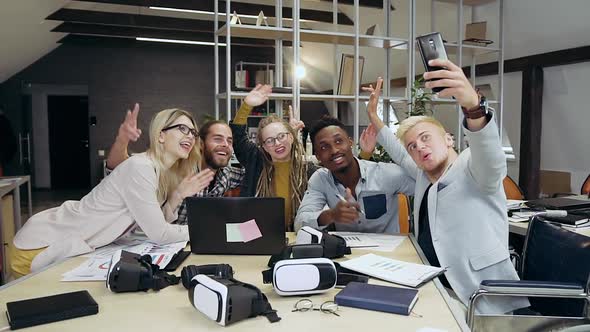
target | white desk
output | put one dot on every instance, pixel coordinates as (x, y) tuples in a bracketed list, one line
[(521, 228), (170, 309)]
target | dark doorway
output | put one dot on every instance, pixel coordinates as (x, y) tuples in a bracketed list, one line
[(68, 142)]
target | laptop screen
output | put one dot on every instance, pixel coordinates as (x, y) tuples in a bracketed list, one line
[(236, 225)]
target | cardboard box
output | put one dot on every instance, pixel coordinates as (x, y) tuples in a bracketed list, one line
[(553, 182), (475, 30)]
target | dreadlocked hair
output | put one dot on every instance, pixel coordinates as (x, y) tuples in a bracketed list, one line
[(298, 176)]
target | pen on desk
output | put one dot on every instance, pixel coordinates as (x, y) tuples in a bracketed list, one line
[(344, 200)]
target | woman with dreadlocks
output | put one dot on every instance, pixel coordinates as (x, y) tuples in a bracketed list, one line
[(276, 166)]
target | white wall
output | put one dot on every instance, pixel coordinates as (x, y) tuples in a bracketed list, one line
[(530, 27), (540, 26), (566, 121)]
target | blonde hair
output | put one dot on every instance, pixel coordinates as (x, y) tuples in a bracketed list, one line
[(298, 175), (169, 178), (412, 121)]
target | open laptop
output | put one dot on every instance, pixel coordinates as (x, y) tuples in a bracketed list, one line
[(223, 225), (561, 203)]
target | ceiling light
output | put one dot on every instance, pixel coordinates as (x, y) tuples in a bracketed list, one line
[(300, 72), (211, 13), (196, 11), (178, 41)]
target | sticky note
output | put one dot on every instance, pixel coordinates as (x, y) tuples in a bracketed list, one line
[(233, 234), (249, 230)]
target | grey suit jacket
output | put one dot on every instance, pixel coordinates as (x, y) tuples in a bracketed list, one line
[(467, 214)]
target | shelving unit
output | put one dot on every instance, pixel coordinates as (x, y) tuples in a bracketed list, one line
[(267, 66), (296, 35), (462, 50), (388, 43)]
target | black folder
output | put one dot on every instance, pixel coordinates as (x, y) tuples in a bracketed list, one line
[(49, 309)]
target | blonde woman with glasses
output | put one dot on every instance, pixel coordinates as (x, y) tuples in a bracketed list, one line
[(134, 195), (276, 166)]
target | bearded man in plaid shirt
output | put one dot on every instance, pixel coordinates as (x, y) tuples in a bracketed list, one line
[(216, 144)]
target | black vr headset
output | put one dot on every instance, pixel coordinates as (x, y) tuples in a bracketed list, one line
[(312, 243), (227, 300), (130, 272), (334, 245)]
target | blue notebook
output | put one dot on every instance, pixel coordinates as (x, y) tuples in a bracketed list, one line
[(376, 297)]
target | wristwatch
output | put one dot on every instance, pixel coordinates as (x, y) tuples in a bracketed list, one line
[(479, 111)]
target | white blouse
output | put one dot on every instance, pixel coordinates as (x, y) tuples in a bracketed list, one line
[(122, 200)]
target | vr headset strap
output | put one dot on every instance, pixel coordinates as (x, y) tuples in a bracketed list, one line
[(160, 279), (334, 246), (344, 276), (260, 305), (267, 276)]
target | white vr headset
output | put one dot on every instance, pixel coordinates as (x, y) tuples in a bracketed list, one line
[(302, 276), (307, 235), (226, 300)]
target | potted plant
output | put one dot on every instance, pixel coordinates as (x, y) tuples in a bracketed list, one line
[(420, 99)]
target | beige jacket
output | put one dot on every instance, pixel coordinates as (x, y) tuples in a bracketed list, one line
[(120, 202)]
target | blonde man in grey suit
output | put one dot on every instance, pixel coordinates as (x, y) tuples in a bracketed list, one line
[(460, 205)]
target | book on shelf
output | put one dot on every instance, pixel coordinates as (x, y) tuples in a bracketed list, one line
[(477, 42), (395, 300), (399, 272), (242, 78), (346, 77), (264, 77)]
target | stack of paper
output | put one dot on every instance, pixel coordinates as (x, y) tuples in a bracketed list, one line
[(372, 241), (521, 216), (514, 203), (357, 240), (403, 273), (97, 266)]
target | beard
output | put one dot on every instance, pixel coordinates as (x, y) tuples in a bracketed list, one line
[(212, 163)]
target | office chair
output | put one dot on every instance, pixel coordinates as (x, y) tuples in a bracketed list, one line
[(232, 192), (512, 189), (403, 204), (555, 274), (586, 186)]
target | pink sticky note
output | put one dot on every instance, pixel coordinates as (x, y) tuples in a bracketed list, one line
[(249, 230)]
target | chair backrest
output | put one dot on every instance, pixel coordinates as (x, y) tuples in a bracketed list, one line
[(403, 204), (512, 189), (552, 253), (586, 186), (232, 192)]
